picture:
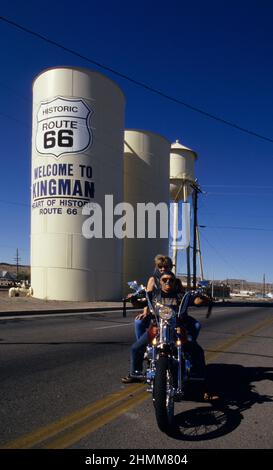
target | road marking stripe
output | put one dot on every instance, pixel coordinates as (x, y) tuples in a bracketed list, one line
[(226, 344), (43, 433), (112, 326), (75, 435), (56, 314), (96, 415)]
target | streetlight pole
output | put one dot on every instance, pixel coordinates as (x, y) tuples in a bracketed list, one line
[(17, 259), (175, 229), (194, 197), (175, 225)]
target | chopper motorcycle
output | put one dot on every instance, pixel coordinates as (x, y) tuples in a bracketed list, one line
[(171, 366)]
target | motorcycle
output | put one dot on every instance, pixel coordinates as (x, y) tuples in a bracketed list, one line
[(170, 362)]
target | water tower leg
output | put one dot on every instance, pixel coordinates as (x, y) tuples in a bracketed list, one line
[(175, 230), (189, 268), (199, 253)]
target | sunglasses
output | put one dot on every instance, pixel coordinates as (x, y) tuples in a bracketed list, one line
[(167, 280)]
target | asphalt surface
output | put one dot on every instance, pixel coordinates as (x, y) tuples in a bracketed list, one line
[(61, 388)]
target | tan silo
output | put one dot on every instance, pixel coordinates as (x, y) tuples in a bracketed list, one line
[(146, 180), (77, 158)]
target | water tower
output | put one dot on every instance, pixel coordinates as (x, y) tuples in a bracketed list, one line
[(182, 176)]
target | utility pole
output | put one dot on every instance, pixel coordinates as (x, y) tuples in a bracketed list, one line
[(194, 197), (264, 285), (17, 260), (196, 190), (188, 250), (199, 253)]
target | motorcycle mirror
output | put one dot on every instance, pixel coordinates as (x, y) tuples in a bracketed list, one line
[(135, 286)]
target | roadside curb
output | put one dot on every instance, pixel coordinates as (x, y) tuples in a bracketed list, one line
[(11, 313)]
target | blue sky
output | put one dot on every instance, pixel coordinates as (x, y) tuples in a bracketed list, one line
[(214, 55)]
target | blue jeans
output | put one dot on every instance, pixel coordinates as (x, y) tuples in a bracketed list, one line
[(139, 347), (193, 326), (141, 326), (137, 354)]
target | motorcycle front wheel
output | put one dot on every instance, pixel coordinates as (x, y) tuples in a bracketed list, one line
[(163, 396)]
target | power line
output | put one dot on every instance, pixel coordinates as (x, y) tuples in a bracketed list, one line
[(235, 186), (15, 92), (209, 193), (237, 228), (2, 201), (12, 247), (231, 214), (226, 245), (220, 255), (6, 116), (134, 81)]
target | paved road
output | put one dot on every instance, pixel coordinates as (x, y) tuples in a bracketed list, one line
[(60, 384)]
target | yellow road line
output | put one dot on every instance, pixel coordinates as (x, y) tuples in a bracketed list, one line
[(75, 435), (226, 344), (75, 426), (45, 432)]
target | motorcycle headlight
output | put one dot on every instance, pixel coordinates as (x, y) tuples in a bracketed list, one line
[(166, 313)]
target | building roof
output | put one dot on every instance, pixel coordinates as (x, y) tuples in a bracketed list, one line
[(7, 276)]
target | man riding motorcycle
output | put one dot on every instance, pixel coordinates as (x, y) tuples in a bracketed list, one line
[(162, 264), (169, 293)]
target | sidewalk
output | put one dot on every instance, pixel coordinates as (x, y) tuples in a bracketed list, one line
[(30, 305)]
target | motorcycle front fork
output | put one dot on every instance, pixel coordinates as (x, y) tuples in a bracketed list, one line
[(183, 370), (150, 373), (179, 370)]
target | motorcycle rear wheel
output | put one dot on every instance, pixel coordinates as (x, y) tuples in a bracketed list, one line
[(163, 394)]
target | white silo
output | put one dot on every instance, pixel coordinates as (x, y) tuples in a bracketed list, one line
[(146, 180), (77, 158), (182, 176)]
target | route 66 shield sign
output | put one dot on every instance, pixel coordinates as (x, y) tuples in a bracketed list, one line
[(63, 126)]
